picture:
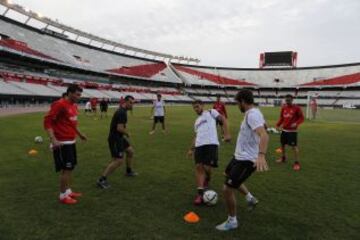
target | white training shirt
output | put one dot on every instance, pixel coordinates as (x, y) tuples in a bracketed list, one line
[(247, 145), (159, 108), (205, 128), (88, 105)]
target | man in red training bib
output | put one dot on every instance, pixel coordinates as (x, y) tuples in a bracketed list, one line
[(220, 107), (61, 125), (291, 117)]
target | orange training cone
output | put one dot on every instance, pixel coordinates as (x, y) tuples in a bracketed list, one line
[(278, 150), (191, 217), (33, 152)]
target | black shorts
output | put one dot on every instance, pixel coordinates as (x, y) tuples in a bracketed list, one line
[(65, 157), (288, 138), (118, 146), (237, 172), (218, 122), (160, 119), (207, 155), (103, 109), (93, 109)]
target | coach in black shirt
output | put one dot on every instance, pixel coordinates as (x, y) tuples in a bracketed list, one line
[(104, 104), (118, 143)]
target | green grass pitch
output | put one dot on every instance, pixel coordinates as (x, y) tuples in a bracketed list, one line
[(322, 201)]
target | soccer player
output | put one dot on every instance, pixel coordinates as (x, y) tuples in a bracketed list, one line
[(314, 108), (291, 117), (93, 103), (220, 107), (119, 143), (158, 109), (87, 108), (61, 126), (250, 151), (104, 104), (204, 147)]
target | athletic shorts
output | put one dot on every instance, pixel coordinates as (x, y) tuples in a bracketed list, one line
[(65, 157), (207, 155), (118, 146), (288, 138), (103, 109), (237, 172), (160, 119), (93, 109)]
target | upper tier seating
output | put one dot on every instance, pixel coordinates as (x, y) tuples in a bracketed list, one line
[(275, 78), (35, 44)]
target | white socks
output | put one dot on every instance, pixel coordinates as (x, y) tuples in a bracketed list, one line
[(248, 196), (65, 194), (232, 219)]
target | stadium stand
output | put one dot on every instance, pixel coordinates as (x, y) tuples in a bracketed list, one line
[(37, 66), (24, 40)]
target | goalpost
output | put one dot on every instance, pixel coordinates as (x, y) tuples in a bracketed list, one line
[(330, 106)]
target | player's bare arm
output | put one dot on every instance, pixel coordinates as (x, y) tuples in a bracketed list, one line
[(121, 129), (191, 149), (151, 111), (52, 138), (225, 127), (261, 164), (82, 136)]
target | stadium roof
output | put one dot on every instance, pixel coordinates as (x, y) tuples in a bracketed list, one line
[(92, 38)]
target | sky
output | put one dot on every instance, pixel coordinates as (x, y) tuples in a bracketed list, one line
[(229, 33)]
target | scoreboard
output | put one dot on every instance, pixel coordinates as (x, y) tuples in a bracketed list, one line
[(278, 59)]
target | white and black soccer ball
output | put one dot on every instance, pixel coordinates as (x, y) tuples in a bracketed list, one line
[(272, 130), (210, 197), (38, 139)]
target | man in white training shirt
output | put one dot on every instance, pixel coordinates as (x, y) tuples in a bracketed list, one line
[(205, 144), (251, 147), (158, 109), (87, 108)]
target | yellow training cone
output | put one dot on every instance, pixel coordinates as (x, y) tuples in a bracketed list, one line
[(33, 152), (191, 217)]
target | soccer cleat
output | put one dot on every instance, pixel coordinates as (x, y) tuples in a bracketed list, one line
[(131, 174), (227, 226), (252, 203), (198, 200), (75, 194), (103, 184), (296, 166), (152, 132), (68, 200)]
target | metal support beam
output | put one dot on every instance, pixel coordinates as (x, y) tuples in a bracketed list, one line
[(6, 11), (27, 20)]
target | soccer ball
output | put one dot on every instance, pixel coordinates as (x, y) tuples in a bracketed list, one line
[(272, 130), (38, 139), (210, 197)]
